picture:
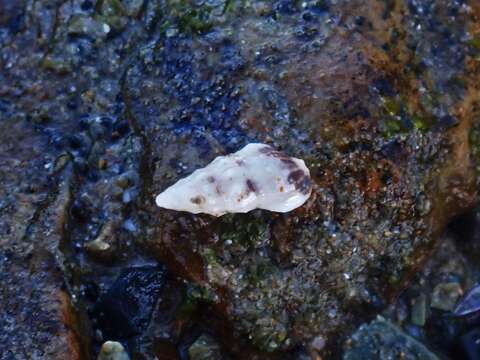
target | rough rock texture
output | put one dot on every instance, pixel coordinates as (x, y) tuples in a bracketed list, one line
[(383, 340), (426, 310), (105, 103), (389, 158), (37, 318)]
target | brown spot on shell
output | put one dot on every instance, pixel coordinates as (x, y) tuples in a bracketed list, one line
[(305, 186), (211, 179), (295, 176), (198, 200), (289, 163), (286, 160), (267, 150), (251, 186), (300, 180)]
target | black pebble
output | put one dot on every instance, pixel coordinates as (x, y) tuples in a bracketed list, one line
[(125, 309)]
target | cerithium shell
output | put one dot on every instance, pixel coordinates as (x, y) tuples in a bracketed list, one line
[(255, 177)]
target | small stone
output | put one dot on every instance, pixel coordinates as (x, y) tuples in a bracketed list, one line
[(102, 164), (381, 339), (318, 343), (445, 296), (57, 65), (98, 335), (61, 162), (104, 246), (97, 245), (125, 180), (129, 225), (125, 309), (112, 350), (205, 348), (85, 25), (127, 197)]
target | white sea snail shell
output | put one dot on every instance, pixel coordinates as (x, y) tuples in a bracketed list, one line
[(255, 177)]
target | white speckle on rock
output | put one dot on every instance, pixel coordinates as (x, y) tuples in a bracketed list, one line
[(255, 177)]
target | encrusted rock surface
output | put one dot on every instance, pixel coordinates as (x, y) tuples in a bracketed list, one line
[(37, 317), (105, 103)]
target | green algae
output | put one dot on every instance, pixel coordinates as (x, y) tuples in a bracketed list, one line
[(399, 119), (474, 43), (474, 138), (192, 296), (190, 17), (244, 230)]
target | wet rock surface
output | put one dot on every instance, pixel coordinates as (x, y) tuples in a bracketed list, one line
[(103, 104), (382, 340), (125, 309), (37, 317), (420, 313)]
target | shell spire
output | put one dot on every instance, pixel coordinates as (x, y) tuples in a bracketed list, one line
[(255, 177)]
